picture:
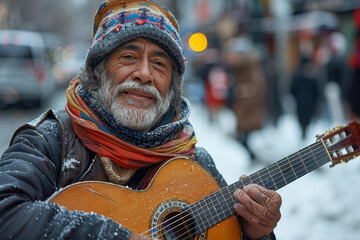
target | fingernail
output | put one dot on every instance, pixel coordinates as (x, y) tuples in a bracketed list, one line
[(238, 206), (237, 193)]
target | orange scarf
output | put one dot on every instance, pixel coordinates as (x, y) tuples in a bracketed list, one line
[(96, 137)]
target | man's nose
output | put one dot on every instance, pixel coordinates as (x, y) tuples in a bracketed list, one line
[(143, 72)]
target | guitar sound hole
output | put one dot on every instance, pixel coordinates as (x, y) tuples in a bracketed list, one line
[(178, 226)]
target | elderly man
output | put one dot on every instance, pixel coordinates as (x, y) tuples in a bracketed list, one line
[(125, 117)]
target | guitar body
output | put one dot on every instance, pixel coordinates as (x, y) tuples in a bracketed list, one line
[(176, 184)]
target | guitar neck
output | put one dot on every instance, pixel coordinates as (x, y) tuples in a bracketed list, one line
[(220, 205)]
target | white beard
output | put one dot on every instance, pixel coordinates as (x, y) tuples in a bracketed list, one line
[(143, 116)]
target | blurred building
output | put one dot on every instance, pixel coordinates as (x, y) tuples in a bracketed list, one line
[(70, 18), (275, 26)]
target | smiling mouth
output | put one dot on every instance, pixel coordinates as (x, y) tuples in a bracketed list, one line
[(138, 95)]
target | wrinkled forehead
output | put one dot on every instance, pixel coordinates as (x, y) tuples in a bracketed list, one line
[(140, 44)]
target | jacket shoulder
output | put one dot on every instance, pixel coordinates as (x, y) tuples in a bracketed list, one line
[(57, 128), (34, 124), (75, 157), (204, 159)]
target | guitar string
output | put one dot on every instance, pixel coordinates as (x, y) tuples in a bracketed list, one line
[(223, 212), (255, 180)]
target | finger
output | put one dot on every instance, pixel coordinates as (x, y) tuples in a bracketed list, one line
[(248, 208), (242, 211), (243, 176), (271, 200)]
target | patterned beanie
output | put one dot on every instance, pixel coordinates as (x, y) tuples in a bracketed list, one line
[(119, 21)]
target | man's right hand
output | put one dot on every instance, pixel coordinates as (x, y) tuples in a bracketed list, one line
[(134, 236)]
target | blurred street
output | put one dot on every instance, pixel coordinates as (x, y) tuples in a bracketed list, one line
[(263, 78), (15, 116)]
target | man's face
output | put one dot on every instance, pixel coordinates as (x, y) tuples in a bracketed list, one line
[(144, 62), (138, 83)]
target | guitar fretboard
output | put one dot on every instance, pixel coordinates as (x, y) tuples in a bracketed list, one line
[(220, 205)]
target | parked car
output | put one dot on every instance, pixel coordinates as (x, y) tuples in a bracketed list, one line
[(23, 68)]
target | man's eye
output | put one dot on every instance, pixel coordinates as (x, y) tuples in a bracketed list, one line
[(160, 63), (129, 57)]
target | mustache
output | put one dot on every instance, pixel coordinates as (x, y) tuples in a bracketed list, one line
[(137, 86)]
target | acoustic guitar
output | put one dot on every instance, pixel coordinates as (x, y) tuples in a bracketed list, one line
[(183, 201)]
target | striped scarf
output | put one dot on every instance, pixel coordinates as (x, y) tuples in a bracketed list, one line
[(99, 132)]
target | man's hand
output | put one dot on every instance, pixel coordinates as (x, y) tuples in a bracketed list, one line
[(260, 209)]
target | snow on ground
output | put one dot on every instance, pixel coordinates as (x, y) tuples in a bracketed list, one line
[(319, 206)]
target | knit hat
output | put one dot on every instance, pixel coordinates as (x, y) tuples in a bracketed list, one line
[(119, 21)]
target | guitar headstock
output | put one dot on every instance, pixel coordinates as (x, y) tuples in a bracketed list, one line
[(342, 142)]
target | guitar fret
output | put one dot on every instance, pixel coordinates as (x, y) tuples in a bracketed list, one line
[(310, 163), (207, 213), (230, 199), (317, 164), (196, 211), (215, 215), (315, 160), (282, 174), (298, 165), (274, 171), (220, 206), (268, 181), (260, 181), (302, 162), (254, 179), (287, 171), (246, 181), (229, 205), (292, 168), (323, 156), (223, 204)]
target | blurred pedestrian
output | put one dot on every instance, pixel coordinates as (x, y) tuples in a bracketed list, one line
[(248, 91), (337, 76), (305, 89), (336, 66), (273, 98), (216, 81)]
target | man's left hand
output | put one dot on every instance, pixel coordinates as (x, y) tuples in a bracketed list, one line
[(259, 208)]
